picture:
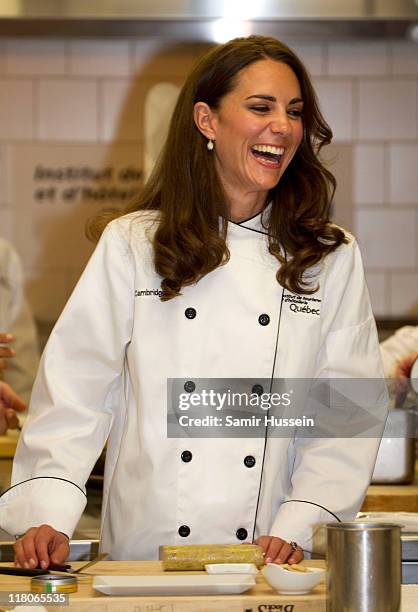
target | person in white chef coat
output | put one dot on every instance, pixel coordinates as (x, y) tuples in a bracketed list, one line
[(400, 351), (227, 267), (399, 356), (19, 354)]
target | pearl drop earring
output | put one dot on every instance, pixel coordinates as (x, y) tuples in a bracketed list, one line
[(210, 144)]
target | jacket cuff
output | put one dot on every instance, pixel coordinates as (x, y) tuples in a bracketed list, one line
[(42, 501), (303, 523)]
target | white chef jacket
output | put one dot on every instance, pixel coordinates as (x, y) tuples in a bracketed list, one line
[(403, 342), (104, 375), (16, 318)]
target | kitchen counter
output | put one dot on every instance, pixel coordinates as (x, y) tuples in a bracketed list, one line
[(88, 600), (392, 497), (261, 598)]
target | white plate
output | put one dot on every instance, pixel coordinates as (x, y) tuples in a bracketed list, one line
[(184, 584), (231, 568)]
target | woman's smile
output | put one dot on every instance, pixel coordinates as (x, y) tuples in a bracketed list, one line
[(267, 155)]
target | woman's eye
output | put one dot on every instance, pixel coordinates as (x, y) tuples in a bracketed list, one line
[(260, 108), (295, 112)]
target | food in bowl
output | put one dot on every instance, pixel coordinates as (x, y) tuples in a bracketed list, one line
[(295, 567), (292, 581)]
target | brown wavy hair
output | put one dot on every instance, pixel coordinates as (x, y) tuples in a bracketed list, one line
[(184, 185)]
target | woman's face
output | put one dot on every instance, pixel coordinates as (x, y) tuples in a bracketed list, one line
[(258, 128)]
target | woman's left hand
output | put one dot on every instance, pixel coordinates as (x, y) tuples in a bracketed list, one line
[(279, 551), (10, 403)]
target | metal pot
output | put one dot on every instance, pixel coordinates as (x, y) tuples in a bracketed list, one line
[(395, 461)]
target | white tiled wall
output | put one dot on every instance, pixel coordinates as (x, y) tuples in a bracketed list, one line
[(403, 58), (361, 58), (100, 58), (85, 101), (369, 174), (336, 98), (16, 109), (4, 176), (387, 238), (313, 56), (387, 109), (403, 293), (67, 109), (35, 57), (403, 173), (121, 109)]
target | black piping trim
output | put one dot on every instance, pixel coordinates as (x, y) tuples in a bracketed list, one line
[(251, 229), (266, 429), (38, 478), (302, 501), (260, 214), (249, 218)]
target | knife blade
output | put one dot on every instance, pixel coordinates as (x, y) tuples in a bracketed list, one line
[(53, 568), (21, 571)]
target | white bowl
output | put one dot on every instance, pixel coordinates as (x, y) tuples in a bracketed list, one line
[(292, 583)]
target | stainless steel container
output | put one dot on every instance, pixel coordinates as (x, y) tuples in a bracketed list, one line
[(395, 461), (364, 567)]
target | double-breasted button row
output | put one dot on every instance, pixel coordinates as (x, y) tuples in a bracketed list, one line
[(187, 456), (190, 386), (184, 532), (190, 313)]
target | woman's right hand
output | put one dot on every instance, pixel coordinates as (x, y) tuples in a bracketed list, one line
[(40, 546)]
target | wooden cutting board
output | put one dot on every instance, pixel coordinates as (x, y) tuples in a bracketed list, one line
[(262, 598)]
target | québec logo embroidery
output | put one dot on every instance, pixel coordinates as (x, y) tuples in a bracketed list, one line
[(144, 292), (303, 304)]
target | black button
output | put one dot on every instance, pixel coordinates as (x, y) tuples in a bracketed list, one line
[(249, 461), (258, 389), (241, 533), (190, 313), (184, 531), (189, 386), (264, 319), (186, 456)]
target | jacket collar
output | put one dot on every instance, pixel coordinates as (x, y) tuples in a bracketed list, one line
[(258, 223)]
